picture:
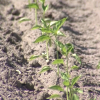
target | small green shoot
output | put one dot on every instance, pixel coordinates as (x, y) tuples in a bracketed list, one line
[(98, 66), (77, 58), (49, 34), (54, 96), (33, 5), (44, 69), (24, 19), (56, 87), (42, 38), (34, 57), (58, 61)]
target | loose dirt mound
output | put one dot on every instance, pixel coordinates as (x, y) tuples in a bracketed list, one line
[(19, 78)]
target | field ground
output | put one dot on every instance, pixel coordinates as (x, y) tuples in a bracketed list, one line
[(82, 29)]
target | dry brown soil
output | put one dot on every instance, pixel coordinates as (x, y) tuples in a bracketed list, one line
[(82, 30)]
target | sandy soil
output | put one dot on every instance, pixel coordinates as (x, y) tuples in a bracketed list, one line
[(82, 30)]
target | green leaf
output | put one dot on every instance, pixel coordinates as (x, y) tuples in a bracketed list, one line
[(75, 67), (36, 27), (54, 96), (49, 42), (58, 61), (60, 44), (47, 20), (53, 23), (60, 23), (78, 90), (33, 5), (77, 58), (44, 69), (56, 87), (44, 22), (42, 38), (75, 79), (23, 19), (66, 83), (46, 30), (60, 33), (65, 76), (45, 8), (98, 66), (62, 47), (42, 1), (69, 47), (64, 50), (75, 97), (33, 57)]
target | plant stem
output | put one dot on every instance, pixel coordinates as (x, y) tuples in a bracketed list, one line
[(29, 3), (70, 94), (67, 94), (68, 75), (56, 48), (36, 14), (57, 57), (47, 51), (43, 14), (67, 68)]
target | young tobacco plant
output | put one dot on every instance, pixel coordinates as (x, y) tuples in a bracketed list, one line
[(50, 33), (44, 8), (68, 82), (49, 30), (35, 6)]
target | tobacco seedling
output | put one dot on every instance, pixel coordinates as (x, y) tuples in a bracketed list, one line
[(30, 6), (36, 7), (49, 30), (98, 66), (50, 33), (68, 82), (45, 8)]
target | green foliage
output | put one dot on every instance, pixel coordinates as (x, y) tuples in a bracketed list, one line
[(65, 76), (36, 27), (44, 69), (78, 90), (66, 83), (23, 20), (33, 5), (59, 33), (56, 87), (54, 96), (45, 8), (42, 1), (34, 57), (98, 66), (74, 67), (58, 61), (42, 38), (49, 34), (75, 97), (59, 23), (74, 80), (77, 58)]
